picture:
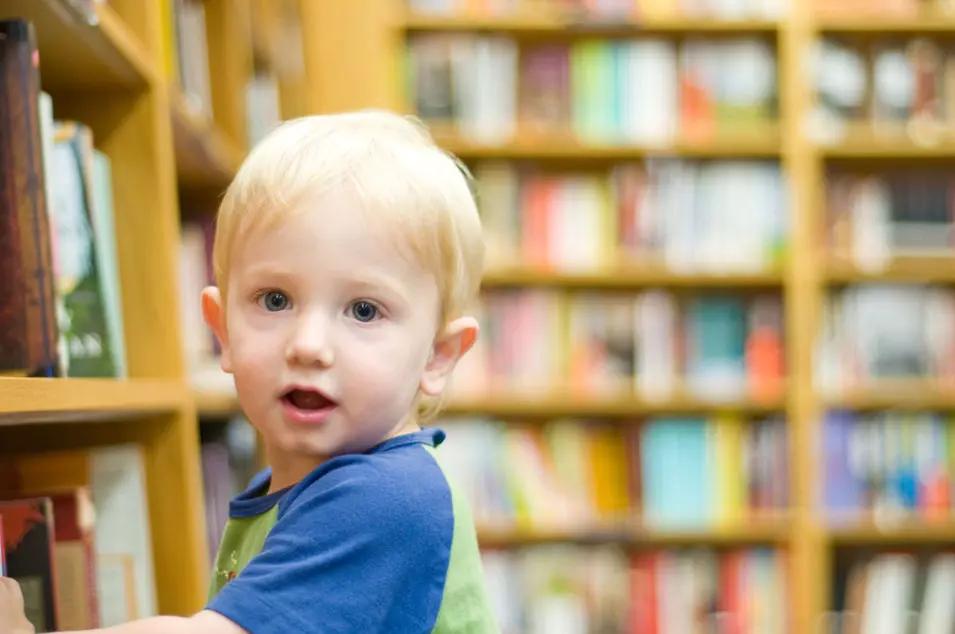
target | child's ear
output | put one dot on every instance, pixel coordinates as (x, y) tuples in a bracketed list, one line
[(214, 315), (448, 349)]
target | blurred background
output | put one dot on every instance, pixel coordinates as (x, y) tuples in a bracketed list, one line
[(716, 377)]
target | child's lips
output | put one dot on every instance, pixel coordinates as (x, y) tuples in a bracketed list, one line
[(306, 405)]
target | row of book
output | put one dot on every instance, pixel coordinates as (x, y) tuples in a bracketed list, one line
[(75, 526), (61, 313), (608, 9), (872, 219), (187, 59), (583, 476), (889, 83), (892, 593), (655, 344), (883, 332), (583, 590), (646, 91), (718, 217), (76, 537), (888, 467)]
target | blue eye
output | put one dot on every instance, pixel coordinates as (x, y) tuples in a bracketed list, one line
[(274, 301), (364, 311)]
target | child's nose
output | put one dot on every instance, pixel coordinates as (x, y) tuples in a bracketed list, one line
[(310, 344)]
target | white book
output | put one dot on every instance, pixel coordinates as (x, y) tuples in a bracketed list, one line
[(938, 607)]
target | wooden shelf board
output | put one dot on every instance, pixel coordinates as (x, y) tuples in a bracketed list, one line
[(897, 394), (206, 159), (635, 277), (212, 405), (77, 55), (927, 270), (562, 405), (30, 400), (861, 140), (761, 141), (550, 22), (755, 533), (926, 22), (905, 532)]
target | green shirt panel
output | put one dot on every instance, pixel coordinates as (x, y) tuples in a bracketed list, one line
[(242, 540)]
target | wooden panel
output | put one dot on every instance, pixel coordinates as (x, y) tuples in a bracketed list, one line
[(757, 141), (142, 18), (75, 54), (134, 131), (637, 277), (756, 533), (560, 404), (809, 564), (938, 270), (176, 506), (31, 400), (901, 395), (352, 53), (228, 34), (546, 406), (206, 158), (566, 26)]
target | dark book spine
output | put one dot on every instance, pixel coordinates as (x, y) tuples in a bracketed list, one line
[(28, 331), (28, 527)]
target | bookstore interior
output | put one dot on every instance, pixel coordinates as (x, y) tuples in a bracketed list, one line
[(691, 429)]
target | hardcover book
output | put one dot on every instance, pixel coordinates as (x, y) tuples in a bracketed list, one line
[(28, 331)]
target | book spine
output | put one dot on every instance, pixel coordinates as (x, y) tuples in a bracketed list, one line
[(27, 314)]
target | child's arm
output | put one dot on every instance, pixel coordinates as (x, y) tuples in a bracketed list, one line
[(13, 620)]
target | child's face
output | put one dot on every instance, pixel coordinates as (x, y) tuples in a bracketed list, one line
[(330, 332)]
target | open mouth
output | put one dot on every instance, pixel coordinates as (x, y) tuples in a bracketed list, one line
[(307, 400)]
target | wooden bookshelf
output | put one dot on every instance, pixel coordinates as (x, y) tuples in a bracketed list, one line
[(757, 533), (547, 22), (365, 38), (762, 142), (32, 401), (551, 406), (898, 395), (206, 158), (627, 278), (925, 22), (77, 54), (895, 533), (108, 70), (922, 270)]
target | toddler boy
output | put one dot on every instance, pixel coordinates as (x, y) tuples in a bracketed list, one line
[(347, 250)]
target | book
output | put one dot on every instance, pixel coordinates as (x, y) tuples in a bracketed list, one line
[(29, 545), (28, 332), (87, 341)]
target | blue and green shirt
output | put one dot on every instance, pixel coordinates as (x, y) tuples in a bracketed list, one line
[(371, 542)]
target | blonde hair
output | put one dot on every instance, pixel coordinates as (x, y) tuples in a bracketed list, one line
[(396, 172)]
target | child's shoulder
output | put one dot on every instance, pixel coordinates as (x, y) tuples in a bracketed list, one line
[(397, 481)]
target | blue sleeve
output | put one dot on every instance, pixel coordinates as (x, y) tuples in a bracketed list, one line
[(357, 547)]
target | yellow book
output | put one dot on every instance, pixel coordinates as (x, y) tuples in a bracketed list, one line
[(729, 483)]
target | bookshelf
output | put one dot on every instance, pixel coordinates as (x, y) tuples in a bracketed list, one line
[(369, 38), (107, 76), (113, 69)]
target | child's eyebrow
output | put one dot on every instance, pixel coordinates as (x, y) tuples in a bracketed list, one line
[(374, 281)]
